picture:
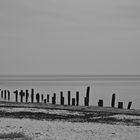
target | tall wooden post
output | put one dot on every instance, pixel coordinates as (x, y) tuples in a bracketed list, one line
[(85, 101), (42, 97), (77, 98), (69, 97), (21, 93), (1, 94), (87, 96), (54, 98), (5, 92), (61, 98), (32, 95), (113, 100), (16, 95), (8, 95), (26, 95), (48, 98), (129, 105)]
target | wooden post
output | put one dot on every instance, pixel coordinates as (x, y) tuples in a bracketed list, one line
[(32, 95), (42, 97), (8, 95), (69, 97), (21, 93), (1, 94), (85, 101), (54, 95), (5, 92), (48, 98), (26, 95), (129, 105), (16, 95), (73, 101), (77, 98), (100, 103), (37, 97), (61, 98), (120, 105), (45, 101), (87, 96), (113, 100), (52, 100)]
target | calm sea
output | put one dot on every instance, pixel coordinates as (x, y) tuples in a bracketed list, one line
[(126, 89)]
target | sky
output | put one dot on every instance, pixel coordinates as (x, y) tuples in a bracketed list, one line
[(69, 37)]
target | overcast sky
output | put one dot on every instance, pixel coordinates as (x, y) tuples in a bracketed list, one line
[(69, 37)]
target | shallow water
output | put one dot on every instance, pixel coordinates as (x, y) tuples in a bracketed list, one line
[(126, 90)]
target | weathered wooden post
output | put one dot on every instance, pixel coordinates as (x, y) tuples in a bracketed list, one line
[(54, 98), (129, 105), (42, 97), (113, 100), (26, 95), (100, 103), (61, 98), (32, 95), (85, 101), (69, 97), (21, 93), (5, 92), (48, 98), (16, 95), (120, 105), (37, 97), (45, 101), (8, 95), (73, 101), (87, 96), (1, 94), (77, 98)]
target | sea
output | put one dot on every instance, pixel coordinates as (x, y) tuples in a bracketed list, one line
[(126, 88)]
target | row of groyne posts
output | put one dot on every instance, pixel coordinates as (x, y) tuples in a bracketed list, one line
[(24, 97)]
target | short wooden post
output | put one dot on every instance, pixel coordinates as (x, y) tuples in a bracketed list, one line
[(52, 100), (120, 105), (32, 95), (100, 103), (69, 97), (129, 105), (45, 101), (73, 101), (16, 95), (48, 98), (77, 98), (26, 95), (113, 100)]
